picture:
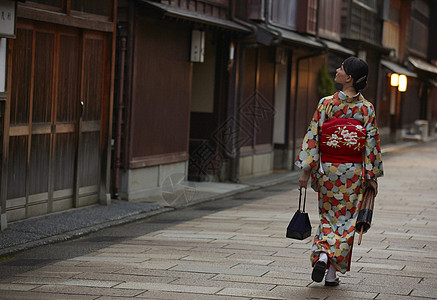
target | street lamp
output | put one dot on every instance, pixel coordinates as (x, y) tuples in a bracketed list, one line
[(402, 83), (394, 79)]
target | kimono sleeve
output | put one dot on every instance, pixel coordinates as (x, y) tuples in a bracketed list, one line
[(372, 153), (308, 156)]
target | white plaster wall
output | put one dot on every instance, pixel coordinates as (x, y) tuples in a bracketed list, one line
[(140, 183), (255, 165)]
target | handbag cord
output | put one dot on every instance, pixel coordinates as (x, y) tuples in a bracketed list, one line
[(304, 199)]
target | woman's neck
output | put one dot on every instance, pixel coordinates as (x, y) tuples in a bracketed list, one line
[(350, 91)]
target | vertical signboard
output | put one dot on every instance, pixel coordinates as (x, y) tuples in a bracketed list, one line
[(7, 18), (2, 65)]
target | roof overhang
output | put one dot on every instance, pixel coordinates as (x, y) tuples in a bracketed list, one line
[(397, 68), (311, 41), (363, 45), (297, 38), (423, 65), (335, 47), (175, 12)]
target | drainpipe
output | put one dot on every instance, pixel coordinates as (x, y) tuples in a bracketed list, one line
[(119, 118), (238, 75), (237, 93), (239, 21), (269, 25)]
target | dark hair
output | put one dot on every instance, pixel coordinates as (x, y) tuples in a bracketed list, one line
[(358, 69)]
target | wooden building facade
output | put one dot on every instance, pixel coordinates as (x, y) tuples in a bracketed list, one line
[(171, 101), (58, 109), (407, 31), (229, 116), (209, 90)]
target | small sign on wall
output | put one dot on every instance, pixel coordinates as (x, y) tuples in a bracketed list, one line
[(2, 65), (7, 18), (197, 45)]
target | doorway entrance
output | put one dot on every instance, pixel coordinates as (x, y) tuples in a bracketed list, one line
[(59, 100)]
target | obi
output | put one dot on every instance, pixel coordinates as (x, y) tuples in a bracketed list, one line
[(342, 141)]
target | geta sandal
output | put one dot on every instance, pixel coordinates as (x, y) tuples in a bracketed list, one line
[(318, 271)]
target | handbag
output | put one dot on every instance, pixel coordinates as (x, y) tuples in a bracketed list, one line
[(300, 225)]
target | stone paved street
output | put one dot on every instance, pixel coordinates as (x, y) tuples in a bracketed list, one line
[(235, 248)]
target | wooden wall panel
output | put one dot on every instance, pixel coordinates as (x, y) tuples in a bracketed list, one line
[(215, 8), (89, 166), (65, 148), (246, 104), (93, 78), (257, 104), (383, 107), (68, 78), (308, 97), (265, 106), (361, 23), (43, 77), (410, 104), (98, 7), (39, 164), (161, 90), (17, 167), (21, 68)]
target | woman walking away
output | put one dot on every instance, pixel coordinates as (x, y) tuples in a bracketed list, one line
[(342, 155)]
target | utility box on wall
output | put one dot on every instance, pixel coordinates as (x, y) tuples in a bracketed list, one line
[(197, 46)]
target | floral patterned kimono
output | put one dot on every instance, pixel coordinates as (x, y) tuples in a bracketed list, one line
[(338, 181)]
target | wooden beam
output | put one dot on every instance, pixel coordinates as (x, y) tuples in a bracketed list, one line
[(63, 19)]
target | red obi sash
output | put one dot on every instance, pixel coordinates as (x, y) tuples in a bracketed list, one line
[(342, 141)]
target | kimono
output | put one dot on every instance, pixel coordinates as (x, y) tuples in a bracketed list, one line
[(340, 182)]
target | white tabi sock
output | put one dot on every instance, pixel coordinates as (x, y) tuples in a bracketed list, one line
[(332, 273), (323, 257)]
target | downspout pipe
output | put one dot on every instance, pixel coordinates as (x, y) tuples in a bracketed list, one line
[(252, 27), (119, 119), (237, 94), (269, 25)]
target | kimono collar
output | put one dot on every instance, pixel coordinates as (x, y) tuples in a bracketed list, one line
[(343, 97)]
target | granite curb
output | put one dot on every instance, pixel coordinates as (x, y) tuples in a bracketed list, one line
[(58, 227)]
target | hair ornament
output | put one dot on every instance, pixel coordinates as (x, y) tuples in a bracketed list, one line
[(361, 79)]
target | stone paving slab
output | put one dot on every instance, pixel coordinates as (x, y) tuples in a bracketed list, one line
[(235, 248), (18, 295)]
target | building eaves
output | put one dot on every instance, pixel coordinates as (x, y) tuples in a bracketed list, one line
[(394, 67), (297, 38), (335, 47), (422, 65), (365, 45), (310, 41), (179, 13)]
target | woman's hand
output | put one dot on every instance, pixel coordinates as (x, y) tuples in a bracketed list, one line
[(303, 179)]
